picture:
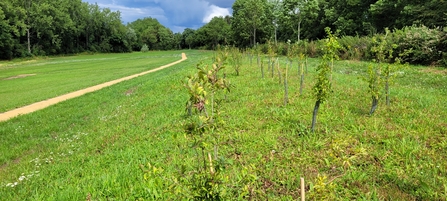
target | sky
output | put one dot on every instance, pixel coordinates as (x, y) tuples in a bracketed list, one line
[(174, 14)]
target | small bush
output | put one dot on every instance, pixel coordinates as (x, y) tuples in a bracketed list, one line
[(355, 48), (264, 48), (144, 48), (419, 45)]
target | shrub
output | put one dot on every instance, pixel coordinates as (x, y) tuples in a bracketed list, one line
[(263, 48), (144, 48), (419, 45), (415, 45), (105, 46), (355, 48)]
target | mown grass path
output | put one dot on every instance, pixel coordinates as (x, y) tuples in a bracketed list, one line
[(43, 104)]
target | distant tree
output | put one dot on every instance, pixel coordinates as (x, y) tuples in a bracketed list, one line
[(216, 32), (177, 41), (251, 19), (188, 37), (349, 17), (297, 18), (11, 28), (398, 14), (149, 31)]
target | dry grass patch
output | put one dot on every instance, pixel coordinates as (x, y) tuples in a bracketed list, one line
[(434, 70), (19, 76)]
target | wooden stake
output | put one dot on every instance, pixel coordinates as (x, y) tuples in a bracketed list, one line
[(303, 192), (211, 163), (286, 89)]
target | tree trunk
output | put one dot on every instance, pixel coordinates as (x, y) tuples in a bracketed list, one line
[(276, 38), (286, 90), (29, 41), (254, 37), (314, 116), (387, 92), (374, 104), (28, 25), (306, 65), (299, 31), (301, 84), (279, 70), (262, 70), (251, 59)]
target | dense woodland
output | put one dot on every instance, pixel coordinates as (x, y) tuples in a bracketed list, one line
[(44, 27)]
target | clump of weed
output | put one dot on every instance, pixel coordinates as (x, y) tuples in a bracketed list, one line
[(322, 189)]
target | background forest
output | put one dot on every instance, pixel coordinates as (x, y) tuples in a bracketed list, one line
[(44, 27)]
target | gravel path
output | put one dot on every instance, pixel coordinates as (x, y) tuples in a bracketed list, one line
[(43, 104)]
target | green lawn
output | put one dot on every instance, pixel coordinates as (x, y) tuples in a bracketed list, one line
[(60, 75), (97, 145)]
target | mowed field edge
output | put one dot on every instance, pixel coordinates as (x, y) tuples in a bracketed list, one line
[(27, 82), (43, 104)]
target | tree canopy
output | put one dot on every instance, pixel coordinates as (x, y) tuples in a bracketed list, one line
[(50, 27)]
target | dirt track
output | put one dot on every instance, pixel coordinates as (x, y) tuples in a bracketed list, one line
[(43, 104)]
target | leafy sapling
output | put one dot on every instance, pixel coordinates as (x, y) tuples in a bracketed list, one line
[(271, 54), (290, 54), (250, 56), (374, 84), (286, 88), (322, 89), (202, 86), (323, 86), (236, 60), (302, 63), (382, 71), (279, 70), (262, 67), (331, 49)]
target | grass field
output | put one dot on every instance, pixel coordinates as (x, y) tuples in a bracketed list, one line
[(60, 75), (96, 146)]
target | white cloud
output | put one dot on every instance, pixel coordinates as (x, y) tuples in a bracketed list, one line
[(215, 11), (129, 14)]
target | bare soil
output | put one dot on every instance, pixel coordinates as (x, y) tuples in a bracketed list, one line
[(43, 104)]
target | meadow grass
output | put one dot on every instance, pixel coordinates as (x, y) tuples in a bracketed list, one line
[(56, 76), (128, 141)]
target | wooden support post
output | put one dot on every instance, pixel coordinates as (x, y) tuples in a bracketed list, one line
[(303, 192), (211, 163)]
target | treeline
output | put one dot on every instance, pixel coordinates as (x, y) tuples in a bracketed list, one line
[(255, 21), (418, 28), (52, 27), (413, 44), (44, 27)]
